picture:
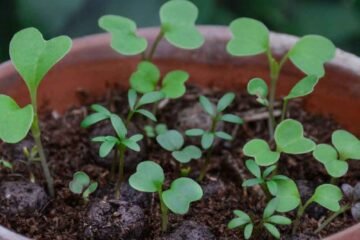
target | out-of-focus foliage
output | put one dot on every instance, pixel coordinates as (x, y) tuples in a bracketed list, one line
[(338, 20)]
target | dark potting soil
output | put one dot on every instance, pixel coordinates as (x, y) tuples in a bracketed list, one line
[(136, 216)]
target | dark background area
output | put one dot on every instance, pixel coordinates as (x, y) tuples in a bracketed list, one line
[(338, 20)]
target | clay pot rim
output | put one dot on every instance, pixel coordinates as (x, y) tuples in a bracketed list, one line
[(280, 43)]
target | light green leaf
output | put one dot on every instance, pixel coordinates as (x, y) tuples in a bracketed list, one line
[(241, 219), (289, 138), (100, 109), (194, 132), (225, 101), (270, 208), (150, 97), (268, 170), (224, 135), (346, 144), (136, 137), (80, 181), (207, 105), (252, 182), (281, 220), (33, 56), (123, 34), (147, 114), (260, 150), (253, 168), (328, 156), (328, 196), (132, 98), (160, 128), (174, 84), (231, 118), (207, 140), (187, 154), (310, 54), (178, 24), (106, 147), (182, 192), (272, 230), (131, 144), (92, 188), (250, 37), (248, 230), (118, 125), (6, 164), (287, 195), (272, 187), (15, 122), (258, 88), (149, 177), (92, 119), (145, 78), (171, 140), (304, 87)]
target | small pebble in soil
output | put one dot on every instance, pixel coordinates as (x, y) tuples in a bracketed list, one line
[(132, 158), (190, 230), (213, 188), (307, 189), (22, 198), (114, 219)]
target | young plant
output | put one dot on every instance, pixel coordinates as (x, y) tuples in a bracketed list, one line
[(5, 164), (217, 115), (152, 132), (149, 177), (289, 139), (309, 54), (346, 146), (33, 57), (268, 222), (173, 142), (82, 185)]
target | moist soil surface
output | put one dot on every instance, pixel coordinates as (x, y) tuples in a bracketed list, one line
[(136, 215)]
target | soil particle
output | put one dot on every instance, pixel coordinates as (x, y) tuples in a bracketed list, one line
[(212, 188), (22, 198), (15, 152), (301, 236), (307, 189), (190, 230), (114, 219)]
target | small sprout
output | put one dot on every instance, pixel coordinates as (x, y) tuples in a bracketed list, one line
[(242, 220), (149, 177), (6, 164), (346, 146), (289, 139), (15, 122), (258, 87), (123, 35), (33, 57), (152, 132), (178, 24), (147, 79), (208, 137), (173, 141), (82, 185)]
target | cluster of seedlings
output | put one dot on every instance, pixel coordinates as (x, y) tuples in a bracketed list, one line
[(33, 57)]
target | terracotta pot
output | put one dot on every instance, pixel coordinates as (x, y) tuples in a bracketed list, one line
[(92, 64)]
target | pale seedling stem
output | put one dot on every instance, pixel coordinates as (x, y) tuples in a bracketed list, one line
[(284, 110), (164, 212), (154, 45), (299, 214), (332, 217)]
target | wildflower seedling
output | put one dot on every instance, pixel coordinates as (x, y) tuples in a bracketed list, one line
[(346, 146), (33, 57), (268, 221), (82, 185), (309, 54), (152, 132), (208, 136), (149, 177)]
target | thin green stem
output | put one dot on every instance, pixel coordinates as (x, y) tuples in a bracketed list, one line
[(120, 171), (36, 132), (266, 191), (334, 181), (299, 214), (113, 164), (164, 212), (155, 45), (332, 217), (284, 110), (129, 117)]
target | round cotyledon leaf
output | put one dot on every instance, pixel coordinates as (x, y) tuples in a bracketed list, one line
[(171, 140), (80, 181), (149, 177), (347, 145), (123, 34), (178, 24), (328, 196), (187, 154), (183, 191), (15, 122), (259, 88), (260, 151), (173, 85), (145, 78), (287, 195)]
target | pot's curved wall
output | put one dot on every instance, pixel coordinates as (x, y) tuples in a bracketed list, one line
[(92, 64)]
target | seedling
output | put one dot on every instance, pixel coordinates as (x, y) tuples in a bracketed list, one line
[(268, 221), (208, 136), (5, 164), (82, 185), (31, 156), (152, 132), (309, 54), (33, 57), (346, 146), (173, 142), (289, 138), (149, 177)]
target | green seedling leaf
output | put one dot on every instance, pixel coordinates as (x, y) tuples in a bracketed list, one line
[(171, 140), (270, 208), (268, 170), (250, 37), (182, 192), (310, 54), (287, 195), (6, 164), (280, 220), (187, 154), (107, 145), (207, 140), (132, 98), (252, 182), (346, 144), (118, 125), (160, 128), (225, 101), (328, 196), (224, 135), (258, 88), (289, 138), (253, 168), (260, 151), (131, 144), (101, 113), (145, 78), (150, 97), (272, 230), (207, 105), (173, 85), (231, 118), (328, 156), (304, 87), (178, 24), (194, 132), (80, 181), (92, 188), (149, 177), (123, 35), (248, 230), (33, 56), (147, 114), (15, 122), (241, 219), (100, 109)]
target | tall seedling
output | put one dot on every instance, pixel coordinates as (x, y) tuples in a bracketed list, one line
[(33, 57)]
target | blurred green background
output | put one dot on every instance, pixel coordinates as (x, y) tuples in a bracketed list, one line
[(338, 20)]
